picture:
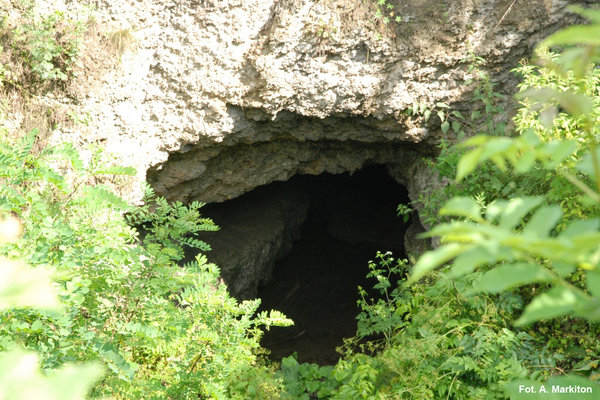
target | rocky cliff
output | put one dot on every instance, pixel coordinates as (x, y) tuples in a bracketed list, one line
[(222, 96)]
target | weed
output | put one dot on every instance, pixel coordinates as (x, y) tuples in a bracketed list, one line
[(385, 12), (122, 40)]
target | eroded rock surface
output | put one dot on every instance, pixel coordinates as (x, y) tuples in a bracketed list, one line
[(222, 96), (212, 77)]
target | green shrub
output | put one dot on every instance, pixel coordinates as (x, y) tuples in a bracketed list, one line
[(424, 341), (51, 44), (162, 330), (41, 48), (532, 240), (445, 346), (22, 286)]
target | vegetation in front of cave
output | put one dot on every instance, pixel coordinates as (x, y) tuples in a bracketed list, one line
[(91, 306), (515, 303), (161, 330)]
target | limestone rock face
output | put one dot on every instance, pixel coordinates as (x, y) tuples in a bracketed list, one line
[(222, 96)]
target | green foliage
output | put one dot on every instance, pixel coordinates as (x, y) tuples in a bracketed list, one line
[(424, 341), (381, 316), (501, 236), (385, 12), (521, 153), (306, 381), (486, 101), (447, 346), (20, 378), (404, 211), (162, 330), (170, 226), (51, 50), (531, 240), (50, 45), (485, 115)]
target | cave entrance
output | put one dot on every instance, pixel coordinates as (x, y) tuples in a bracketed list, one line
[(349, 218), (303, 247)]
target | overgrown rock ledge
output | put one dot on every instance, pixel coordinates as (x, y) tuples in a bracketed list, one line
[(222, 96)]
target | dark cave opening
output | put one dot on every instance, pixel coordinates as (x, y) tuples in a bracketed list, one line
[(350, 218), (313, 277)]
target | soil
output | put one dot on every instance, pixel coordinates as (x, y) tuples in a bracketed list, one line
[(316, 283)]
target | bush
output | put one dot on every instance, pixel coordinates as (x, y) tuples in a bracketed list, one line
[(532, 240), (41, 48), (162, 330)]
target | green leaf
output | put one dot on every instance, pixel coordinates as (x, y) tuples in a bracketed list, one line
[(578, 227), (563, 269), (469, 260), (524, 162), (20, 378), (513, 212), (555, 302), (433, 259), (37, 325), (586, 165), (558, 151), (462, 207), (445, 127), (476, 141), (593, 282), (575, 103), (456, 126), (496, 146), (589, 309), (468, 163), (457, 114), (442, 116), (543, 221), (589, 13), (579, 34), (547, 116), (117, 170), (506, 276), (100, 193), (427, 114)]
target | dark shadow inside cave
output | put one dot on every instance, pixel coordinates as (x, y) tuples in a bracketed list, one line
[(350, 218), (345, 220)]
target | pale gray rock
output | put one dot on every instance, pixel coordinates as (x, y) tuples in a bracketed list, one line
[(223, 96), (211, 77)]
